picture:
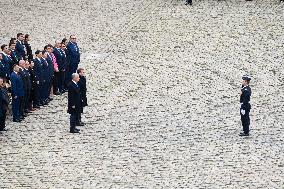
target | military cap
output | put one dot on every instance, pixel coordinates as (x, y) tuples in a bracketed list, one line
[(246, 77)]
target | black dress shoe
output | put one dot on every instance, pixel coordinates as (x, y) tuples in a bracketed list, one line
[(74, 131), (77, 129), (38, 107), (244, 134), (57, 93), (80, 124)]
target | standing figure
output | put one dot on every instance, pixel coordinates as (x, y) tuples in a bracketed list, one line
[(245, 105), (73, 56), (4, 102), (74, 102), (83, 89), (17, 91), (7, 62), (38, 79), (28, 47), (20, 47), (61, 62)]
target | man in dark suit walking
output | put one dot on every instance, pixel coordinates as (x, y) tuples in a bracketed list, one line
[(74, 102), (17, 91)]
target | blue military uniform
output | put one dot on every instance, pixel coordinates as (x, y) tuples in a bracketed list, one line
[(17, 91), (73, 59), (245, 106)]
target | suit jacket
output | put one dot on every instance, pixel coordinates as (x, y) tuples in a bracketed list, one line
[(29, 50), (4, 100), (50, 67), (74, 99), (32, 77), (17, 86), (60, 59), (8, 63), (83, 88), (73, 53), (15, 57), (38, 70), (2, 69), (20, 49)]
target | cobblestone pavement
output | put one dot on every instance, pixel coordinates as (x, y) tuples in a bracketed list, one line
[(164, 83)]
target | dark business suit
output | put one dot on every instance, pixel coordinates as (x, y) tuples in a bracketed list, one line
[(4, 102), (20, 49), (73, 58), (2, 69), (7, 63), (28, 89), (74, 104), (83, 88), (17, 91), (38, 79), (32, 100), (29, 50), (50, 74), (61, 62), (23, 99), (15, 57)]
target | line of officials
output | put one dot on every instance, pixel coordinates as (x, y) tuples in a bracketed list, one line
[(33, 80)]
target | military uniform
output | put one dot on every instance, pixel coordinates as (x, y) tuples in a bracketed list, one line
[(245, 107)]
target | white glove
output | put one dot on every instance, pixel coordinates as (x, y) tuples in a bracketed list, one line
[(243, 112)]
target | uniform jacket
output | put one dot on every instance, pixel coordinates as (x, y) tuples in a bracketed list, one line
[(245, 97), (73, 53)]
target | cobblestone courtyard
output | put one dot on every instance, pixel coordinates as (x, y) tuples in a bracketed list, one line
[(164, 82)]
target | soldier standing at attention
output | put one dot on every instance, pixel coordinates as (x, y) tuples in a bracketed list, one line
[(245, 105)]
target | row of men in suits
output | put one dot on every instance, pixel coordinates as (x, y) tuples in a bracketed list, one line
[(49, 72)]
